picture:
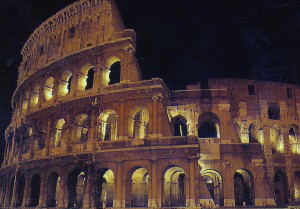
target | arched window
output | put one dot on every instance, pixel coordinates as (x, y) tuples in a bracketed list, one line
[(174, 189), (115, 72), (90, 79), (35, 95), (254, 133), (137, 188), (214, 184), (53, 190), (25, 98), (81, 128), (48, 88), (274, 111), (179, 124), (208, 126), (293, 139), (243, 188), (276, 138), (34, 191), (65, 83), (280, 188), (40, 135), (86, 77), (107, 129), (57, 133), (76, 184), (138, 123), (105, 189)]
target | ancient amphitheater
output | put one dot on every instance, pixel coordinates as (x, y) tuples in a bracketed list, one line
[(88, 132)]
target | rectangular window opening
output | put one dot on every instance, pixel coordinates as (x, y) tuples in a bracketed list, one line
[(251, 89), (289, 92), (72, 32)]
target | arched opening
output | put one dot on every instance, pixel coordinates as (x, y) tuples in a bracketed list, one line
[(174, 189), (280, 188), (138, 123), (113, 65), (179, 124), (255, 133), (105, 189), (25, 142), (20, 190), (274, 111), (115, 72), (90, 79), (293, 139), (86, 77), (35, 95), (137, 188), (81, 129), (297, 186), (65, 83), (40, 135), (53, 190), (276, 138), (58, 132), (48, 88), (76, 184), (243, 188), (25, 98), (208, 126), (214, 184), (34, 191), (107, 129)]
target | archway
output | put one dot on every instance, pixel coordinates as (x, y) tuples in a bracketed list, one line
[(243, 188), (48, 88), (20, 190), (293, 139), (214, 183), (34, 196), (105, 188), (53, 190), (113, 65), (297, 186), (76, 184), (255, 133), (280, 188), (179, 124), (276, 138), (137, 188), (174, 188), (34, 99), (107, 129), (138, 123), (81, 125), (58, 132), (40, 135), (65, 83), (208, 126), (86, 77)]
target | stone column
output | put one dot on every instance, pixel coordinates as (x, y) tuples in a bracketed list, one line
[(118, 187), (228, 184), (88, 192), (74, 83), (187, 190), (192, 184), (154, 183), (160, 192), (48, 136), (26, 191), (92, 131), (42, 190), (14, 193), (121, 120), (154, 116)]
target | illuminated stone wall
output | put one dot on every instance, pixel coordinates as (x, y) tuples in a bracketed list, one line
[(87, 131)]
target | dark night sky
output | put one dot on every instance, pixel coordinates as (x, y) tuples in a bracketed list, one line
[(178, 40)]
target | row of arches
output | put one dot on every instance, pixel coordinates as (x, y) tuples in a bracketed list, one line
[(60, 86), (137, 186)]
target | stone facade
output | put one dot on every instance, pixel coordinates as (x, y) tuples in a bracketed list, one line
[(88, 132)]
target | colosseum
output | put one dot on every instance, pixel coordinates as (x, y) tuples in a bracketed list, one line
[(88, 132)]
